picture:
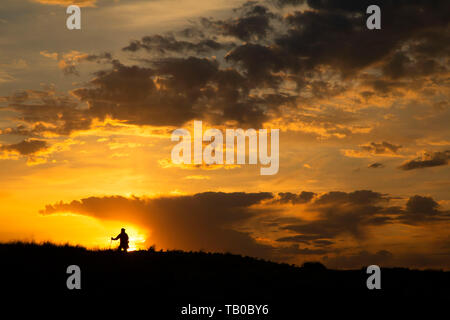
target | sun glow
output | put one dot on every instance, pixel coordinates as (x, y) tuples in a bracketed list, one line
[(137, 239), (137, 242)]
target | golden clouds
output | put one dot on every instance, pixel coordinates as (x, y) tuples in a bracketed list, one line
[(167, 163), (35, 151), (427, 159), (81, 3), (197, 177), (383, 148), (5, 77)]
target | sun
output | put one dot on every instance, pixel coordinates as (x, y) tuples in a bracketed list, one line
[(137, 241), (137, 238)]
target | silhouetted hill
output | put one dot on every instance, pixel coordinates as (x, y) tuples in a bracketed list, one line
[(164, 282)]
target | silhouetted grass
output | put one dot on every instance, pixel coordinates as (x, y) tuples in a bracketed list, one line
[(179, 277)]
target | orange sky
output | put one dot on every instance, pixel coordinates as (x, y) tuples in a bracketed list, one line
[(88, 114)]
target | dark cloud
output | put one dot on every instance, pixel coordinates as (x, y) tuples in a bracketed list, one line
[(176, 90), (376, 165), (20, 130), (428, 159), (191, 33), (329, 34), (26, 147), (170, 92), (351, 213), (300, 238), (260, 63), (252, 23), (331, 28), (383, 87), (163, 44), (340, 26), (288, 197), (283, 3), (418, 204), (131, 94), (205, 221), (381, 148), (401, 66), (342, 213), (46, 111), (396, 67), (68, 62), (246, 82), (102, 57), (359, 197), (421, 209), (323, 243)]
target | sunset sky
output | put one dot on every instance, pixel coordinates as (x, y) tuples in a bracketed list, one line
[(86, 118)]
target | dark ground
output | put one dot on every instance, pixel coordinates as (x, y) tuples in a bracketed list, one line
[(159, 284)]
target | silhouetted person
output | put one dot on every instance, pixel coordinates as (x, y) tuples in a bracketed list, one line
[(123, 240)]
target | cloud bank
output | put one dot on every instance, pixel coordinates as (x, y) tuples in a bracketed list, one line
[(266, 225)]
